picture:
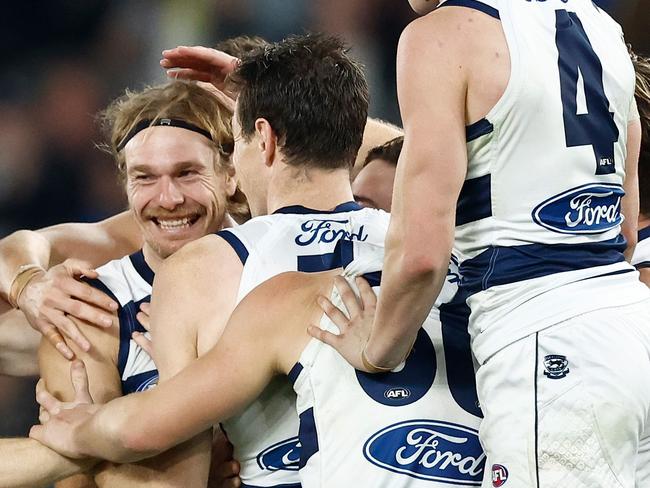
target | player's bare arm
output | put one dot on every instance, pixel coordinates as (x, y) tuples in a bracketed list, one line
[(428, 180), (101, 373), (630, 202), (18, 345), (30, 464), (47, 296), (102, 370), (195, 291), (46, 465), (211, 389)]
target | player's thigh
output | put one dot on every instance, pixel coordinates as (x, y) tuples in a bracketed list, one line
[(593, 387), (505, 385)]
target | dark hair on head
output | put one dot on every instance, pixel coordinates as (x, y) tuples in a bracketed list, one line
[(312, 93), (642, 93), (388, 152), (241, 45)]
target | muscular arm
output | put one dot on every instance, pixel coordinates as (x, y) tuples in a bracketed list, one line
[(103, 377), (193, 296), (27, 463), (96, 243), (18, 345), (432, 84), (630, 202), (264, 337)]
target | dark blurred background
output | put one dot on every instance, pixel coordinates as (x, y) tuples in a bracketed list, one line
[(66, 59)]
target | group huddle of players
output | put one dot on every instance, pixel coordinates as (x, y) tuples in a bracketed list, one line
[(228, 330)]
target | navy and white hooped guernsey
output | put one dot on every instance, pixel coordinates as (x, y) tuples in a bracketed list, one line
[(128, 281), (416, 427), (538, 218), (265, 435)]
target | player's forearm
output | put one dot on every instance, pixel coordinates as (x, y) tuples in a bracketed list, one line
[(27, 463), (411, 281), (21, 247), (115, 433)]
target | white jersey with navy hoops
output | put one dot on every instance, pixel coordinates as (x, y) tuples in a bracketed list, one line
[(295, 238), (541, 204), (560, 322), (414, 427), (128, 281)]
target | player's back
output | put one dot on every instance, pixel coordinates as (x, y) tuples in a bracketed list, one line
[(414, 427), (539, 214), (128, 281), (265, 435)]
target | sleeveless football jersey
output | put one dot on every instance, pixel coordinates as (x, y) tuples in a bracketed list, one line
[(539, 214), (265, 435), (128, 281), (414, 427), (641, 258)]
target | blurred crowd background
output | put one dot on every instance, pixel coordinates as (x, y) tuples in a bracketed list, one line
[(64, 60)]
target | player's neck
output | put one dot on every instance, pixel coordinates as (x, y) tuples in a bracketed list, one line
[(151, 257), (313, 188)]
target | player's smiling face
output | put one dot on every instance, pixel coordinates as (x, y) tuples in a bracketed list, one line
[(175, 190)]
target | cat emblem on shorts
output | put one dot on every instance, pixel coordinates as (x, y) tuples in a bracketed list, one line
[(556, 366)]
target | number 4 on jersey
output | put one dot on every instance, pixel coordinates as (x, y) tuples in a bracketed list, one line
[(595, 128)]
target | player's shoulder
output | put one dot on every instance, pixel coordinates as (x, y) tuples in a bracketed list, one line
[(446, 35), (201, 254)]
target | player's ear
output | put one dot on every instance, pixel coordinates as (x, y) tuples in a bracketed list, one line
[(267, 140), (230, 180)]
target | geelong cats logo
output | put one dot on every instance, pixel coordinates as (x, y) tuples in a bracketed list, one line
[(587, 209), (429, 450)]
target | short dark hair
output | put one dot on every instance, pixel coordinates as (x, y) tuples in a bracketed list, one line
[(312, 93), (389, 151), (241, 45)]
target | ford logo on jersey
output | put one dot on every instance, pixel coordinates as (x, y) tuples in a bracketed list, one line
[(587, 209), (325, 230), (283, 456), (429, 450)]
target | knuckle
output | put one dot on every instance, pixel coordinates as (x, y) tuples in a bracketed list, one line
[(75, 308)]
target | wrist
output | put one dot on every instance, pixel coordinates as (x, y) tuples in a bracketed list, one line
[(25, 274), (371, 366)]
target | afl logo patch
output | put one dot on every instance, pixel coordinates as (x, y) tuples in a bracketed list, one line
[(499, 475), (556, 366), (397, 393)]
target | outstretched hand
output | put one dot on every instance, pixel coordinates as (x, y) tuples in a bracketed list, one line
[(355, 330), (51, 297), (62, 418), (199, 63)]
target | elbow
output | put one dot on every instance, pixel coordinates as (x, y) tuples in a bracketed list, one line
[(418, 266), (135, 440)]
